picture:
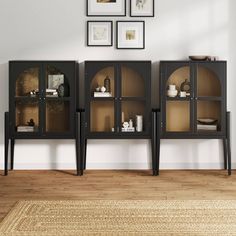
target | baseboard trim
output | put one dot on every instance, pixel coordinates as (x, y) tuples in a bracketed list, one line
[(120, 166)]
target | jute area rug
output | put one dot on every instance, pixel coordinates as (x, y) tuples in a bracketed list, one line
[(101, 217)]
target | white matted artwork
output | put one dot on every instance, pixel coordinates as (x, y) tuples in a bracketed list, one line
[(55, 80), (142, 8), (130, 34), (106, 7), (99, 33)]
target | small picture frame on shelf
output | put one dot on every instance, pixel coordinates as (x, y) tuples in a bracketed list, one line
[(130, 35), (55, 80), (99, 33), (142, 8), (106, 7)]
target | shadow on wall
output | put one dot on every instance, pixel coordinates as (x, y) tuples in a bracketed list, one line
[(4, 99)]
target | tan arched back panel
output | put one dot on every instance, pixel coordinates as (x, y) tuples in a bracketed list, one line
[(27, 81), (208, 84), (179, 76), (132, 83)]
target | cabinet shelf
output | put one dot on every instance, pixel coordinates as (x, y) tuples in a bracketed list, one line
[(133, 98), (178, 99), (209, 98)]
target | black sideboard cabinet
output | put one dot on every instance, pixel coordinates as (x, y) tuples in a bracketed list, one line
[(123, 110), (42, 103), (202, 113)]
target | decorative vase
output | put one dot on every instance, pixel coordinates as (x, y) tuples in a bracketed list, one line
[(63, 90), (107, 84)]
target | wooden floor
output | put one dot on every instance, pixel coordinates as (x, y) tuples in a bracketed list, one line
[(63, 185)]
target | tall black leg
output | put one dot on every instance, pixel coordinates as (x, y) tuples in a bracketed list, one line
[(12, 153), (82, 144), (228, 142), (6, 126), (158, 142), (85, 153), (77, 143), (225, 153), (154, 142)]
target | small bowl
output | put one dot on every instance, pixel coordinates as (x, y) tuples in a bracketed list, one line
[(172, 93), (199, 58)]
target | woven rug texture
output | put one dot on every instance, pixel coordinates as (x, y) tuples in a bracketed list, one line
[(123, 217)]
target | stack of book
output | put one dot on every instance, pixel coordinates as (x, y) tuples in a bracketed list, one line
[(102, 94), (207, 124), (51, 93), (129, 129), (25, 128), (206, 127)]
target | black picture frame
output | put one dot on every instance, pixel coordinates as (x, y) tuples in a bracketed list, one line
[(136, 15), (88, 13), (99, 45), (142, 46)]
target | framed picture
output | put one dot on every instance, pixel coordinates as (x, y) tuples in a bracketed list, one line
[(130, 35), (54, 81), (106, 7), (142, 8), (99, 33)]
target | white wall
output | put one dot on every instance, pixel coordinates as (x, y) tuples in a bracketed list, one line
[(55, 29)]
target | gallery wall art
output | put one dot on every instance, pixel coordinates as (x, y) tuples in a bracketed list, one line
[(129, 34)]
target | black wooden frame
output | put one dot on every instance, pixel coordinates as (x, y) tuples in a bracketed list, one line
[(110, 15), (117, 35), (98, 45)]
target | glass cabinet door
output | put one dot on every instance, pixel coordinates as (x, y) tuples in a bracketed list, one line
[(26, 98), (134, 98), (208, 100), (102, 102), (178, 99), (58, 98)]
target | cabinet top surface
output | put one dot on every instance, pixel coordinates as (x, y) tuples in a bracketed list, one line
[(188, 61)]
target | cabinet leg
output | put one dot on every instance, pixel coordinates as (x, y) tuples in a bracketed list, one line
[(12, 153), (85, 153), (153, 143), (6, 139), (225, 153), (228, 142), (6, 156)]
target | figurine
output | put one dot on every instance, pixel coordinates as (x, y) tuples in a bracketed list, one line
[(31, 122)]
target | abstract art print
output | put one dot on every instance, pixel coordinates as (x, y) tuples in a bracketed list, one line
[(142, 8), (130, 35), (106, 7), (99, 33)]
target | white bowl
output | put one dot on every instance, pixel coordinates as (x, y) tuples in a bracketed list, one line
[(172, 93)]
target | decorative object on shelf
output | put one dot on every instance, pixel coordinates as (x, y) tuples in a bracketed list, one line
[(127, 128), (63, 90), (199, 58), (131, 125), (98, 89), (51, 92), (107, 84), (172, 91), (106, 7), (182, 94), (186, 87), (55, 80), (130, 35), (142, 8), (34, 93), (31, 122), (103, 89), (207, 121), (139, 123), (100, 33)]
